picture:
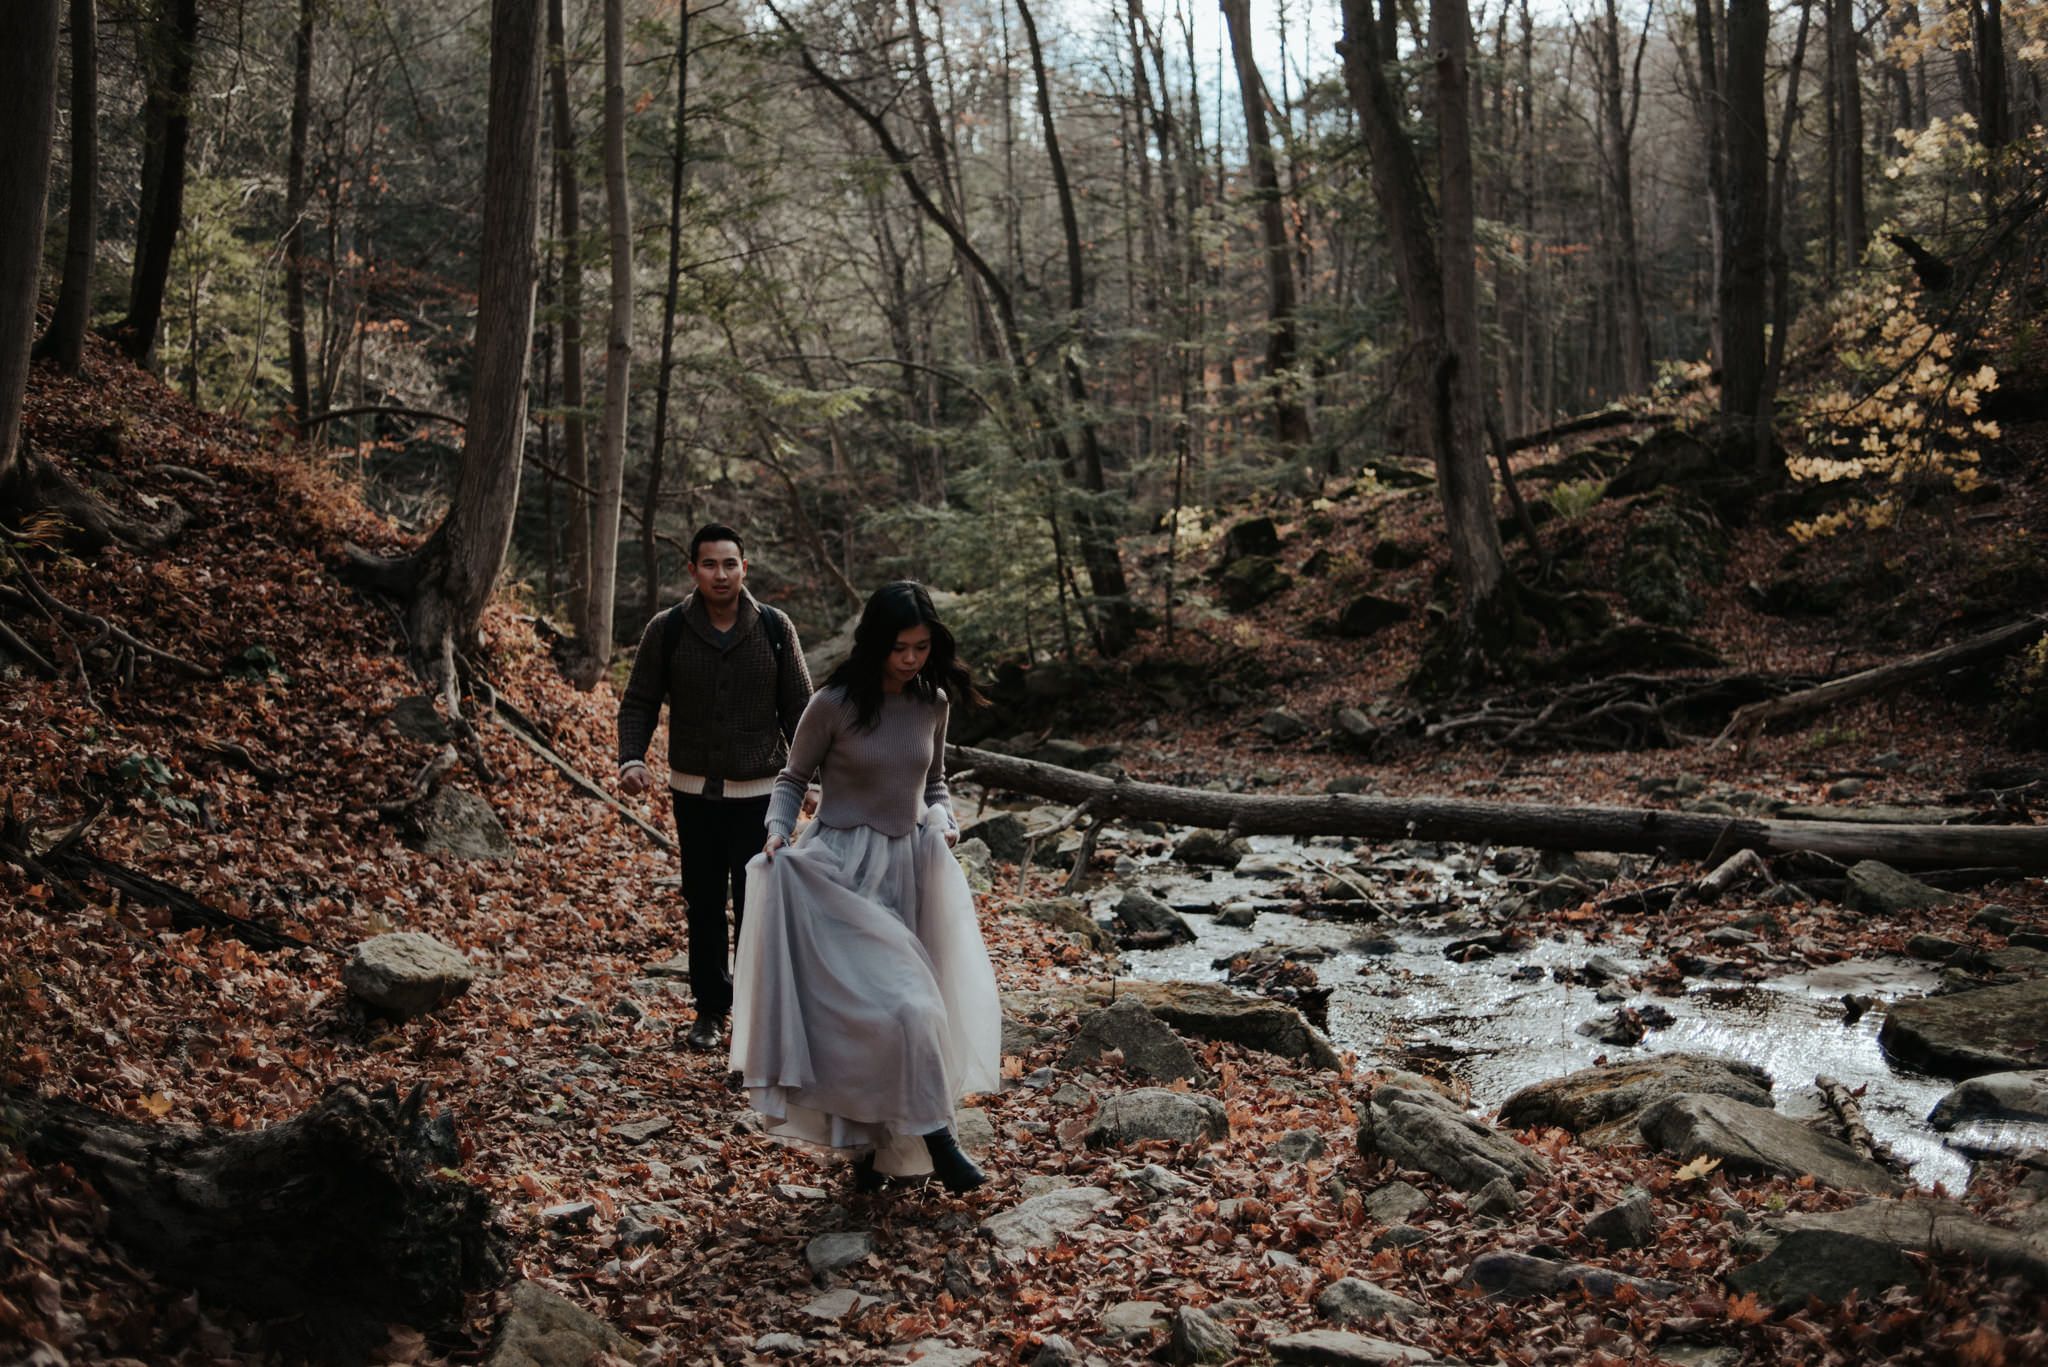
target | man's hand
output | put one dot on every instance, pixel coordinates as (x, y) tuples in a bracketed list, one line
[(633, 782)]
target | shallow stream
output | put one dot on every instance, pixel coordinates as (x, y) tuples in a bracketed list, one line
[(1503, 1022)]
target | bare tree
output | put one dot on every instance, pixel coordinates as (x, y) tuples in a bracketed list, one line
[(64, 340), (295, 214), (575, 448), (679, 161), (28, 111), (1744, 215), (171, 40)]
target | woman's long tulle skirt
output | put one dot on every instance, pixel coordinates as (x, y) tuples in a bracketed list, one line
[(864, 1005)]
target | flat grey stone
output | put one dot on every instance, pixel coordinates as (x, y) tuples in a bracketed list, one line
[(1517, 1276), (1827, 1263), (452, 821), (640, 1131), (1753, 1142), (1157, 1113), (1395, 1202), (1298, 1146), (1496, 1200), (1335, 1348), (1989, 1030), (1140, 913), (940, 1353), (1211, 847), (1128, 1320), (1878, 889), (1002, 832), (1422, 1130), (1193, 1336), (1626, 1224), (1600, 1104), (1197, 1010), (542, 1329), (1042, 1219), (829, 1253), (1928, 1225), (1159, 1182), (782, 1345), (632, 1233), (1995, 1096), (569, 1215), (1349, 1299), (837, 1305)]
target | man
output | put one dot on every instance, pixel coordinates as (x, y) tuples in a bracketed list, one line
[(735, 682)]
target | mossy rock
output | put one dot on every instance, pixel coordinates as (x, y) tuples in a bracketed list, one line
[(1667, 457), (1252, 580), (1676, 546), (1253, 536)]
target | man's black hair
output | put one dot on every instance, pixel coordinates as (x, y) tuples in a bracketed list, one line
[(715, 531)]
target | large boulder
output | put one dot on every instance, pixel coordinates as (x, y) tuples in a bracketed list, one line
[(1826, 1263), (407, 973), (1157, 1113), (1929, 1225), (1215, 848), (1600, 1104), (1369, 614), (1990, 1030), (542, 1329), (1210, 1011), (1994, 1096), (1143, 917), (451, 821), (1355, 1298), (1002, 832), (1881, 890), (1422, 1130), (1149, 1047), (1245, 583), (1753, 1142), (1041, 1220)]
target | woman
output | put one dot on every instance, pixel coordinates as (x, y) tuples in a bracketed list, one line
[(864, 1003)]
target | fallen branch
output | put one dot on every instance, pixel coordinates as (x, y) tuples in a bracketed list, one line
[(1743, 727), (509, 718), (1850, 1115), (1622, 830), (1590, 422)]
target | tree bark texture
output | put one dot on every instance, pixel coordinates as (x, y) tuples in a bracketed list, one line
[(596, 640), (1620, 830), (1745, 207), (65, 340), (28, 120), (650, 560), (1842, 46), (575, 441), (1618, 133), (171, 44), (333, 1218)]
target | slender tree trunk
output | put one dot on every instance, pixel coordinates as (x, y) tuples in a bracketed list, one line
[(575, 445), (1746, 427), (64, 342), (295, 215), (1617, 125), (28, 113), (448, 582), (650, 559), (1848, 126), (1781, 263), (1994, 120), (596, 653), (1290, 418), (173, 37), (1713, 131), (1110, 612)]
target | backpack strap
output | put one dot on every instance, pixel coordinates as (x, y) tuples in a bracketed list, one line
[(773, 625)]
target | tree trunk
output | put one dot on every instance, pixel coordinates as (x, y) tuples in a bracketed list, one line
[(1994, 112), (64, 342), (650, 559), (1745, 424), (1110, 608), (596, 637), (1290, 419), (1848, 126), (166, 122), (1617, 121), (1781, 263), (448, 582), (295, 217), (1708, 107), (28, 114), (332, 1219), (575, 445), (1620, 830)]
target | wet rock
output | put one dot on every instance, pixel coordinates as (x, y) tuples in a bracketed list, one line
[(1996, 918), (1140, 914), (1375, 943), (1600, 1104), (1156, 1113), (1517, 1276), (1480, 947), (1150, 1048), (1995, 1096), (1214, 848), (1730, 935), (1238, 915), (1395, 1202), (1208, 1011), (1927, 1225), (829, 1253), (1626, 1026), (1193, 1337), (1349, 1299), (1990, 1030), (1627, 1224), (1127, 1320), (407, 973), (1880, 890), (1426, 1131), (1826, 1263), (1282, 726), (542, 1329), (1002, 832), (1752, 1141), (1042, 1219), (455, 822), (1335, 1348), (1298, 1146), (1603, 968)]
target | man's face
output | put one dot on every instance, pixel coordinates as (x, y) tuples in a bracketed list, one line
[(720, 572)]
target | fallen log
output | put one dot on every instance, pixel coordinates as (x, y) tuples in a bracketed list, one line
[(1742, 728), (1620, 830), (333, 1220)]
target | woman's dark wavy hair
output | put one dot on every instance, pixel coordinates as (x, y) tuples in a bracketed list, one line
[(890, 611)]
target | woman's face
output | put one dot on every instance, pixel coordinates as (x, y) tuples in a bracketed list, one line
[(913, 647)]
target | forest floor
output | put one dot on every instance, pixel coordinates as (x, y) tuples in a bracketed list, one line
[(257, 789)]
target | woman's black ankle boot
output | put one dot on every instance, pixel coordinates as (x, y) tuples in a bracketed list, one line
[(951, 1166), (865, 1179)]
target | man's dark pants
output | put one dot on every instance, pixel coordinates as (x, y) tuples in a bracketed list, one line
[(716, 836)]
